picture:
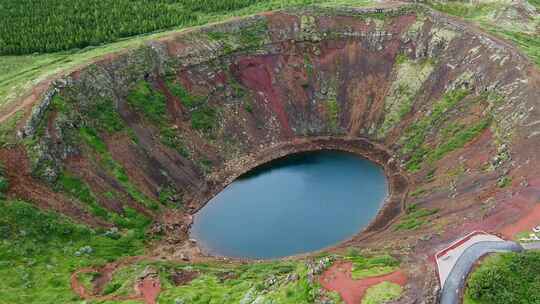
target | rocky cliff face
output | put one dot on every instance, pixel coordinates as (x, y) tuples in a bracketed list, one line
[(158, 130)]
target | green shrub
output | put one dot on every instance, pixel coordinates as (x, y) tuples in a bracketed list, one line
[(508, 278), (80, 190), (202, 115), (353, 252), (528, 43), (504, 181), (4, 181), (188, 100), (248, 107), (308, 64), (382, 293), (418, 192), (237, 88), (169, 196), (248, 279), (110, 288), (536, 3), (431, 174), (132, 219), (105, 117), (94, 141), (415, 217), (206, 165), (4, 184), (148, 101), (170, 138), (253, 35), (87, 279), (462, 9), (91, 138), (248, 37), (364, 266), (458, 140), (332, 109), (153, 105), (401, 58), (415, 134), (203, 118)]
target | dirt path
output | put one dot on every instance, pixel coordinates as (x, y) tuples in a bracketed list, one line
[(454, 284), (149, 288), (26, 102), (76, 286), (146, 289), (338, 278)]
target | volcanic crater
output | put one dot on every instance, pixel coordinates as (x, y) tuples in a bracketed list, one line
[(160, 129)]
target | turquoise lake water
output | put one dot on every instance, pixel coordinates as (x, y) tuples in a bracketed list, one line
[(297, 204)]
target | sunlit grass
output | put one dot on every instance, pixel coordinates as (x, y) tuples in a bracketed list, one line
[(39, 251), (21, 73), (483, 14)]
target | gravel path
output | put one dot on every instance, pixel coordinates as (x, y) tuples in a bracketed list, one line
[(531, 246), (456, 279)]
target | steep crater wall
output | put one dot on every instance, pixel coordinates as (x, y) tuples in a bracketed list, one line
[(156, 131)]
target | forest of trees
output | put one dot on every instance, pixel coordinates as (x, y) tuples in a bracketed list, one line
[(42, 26)]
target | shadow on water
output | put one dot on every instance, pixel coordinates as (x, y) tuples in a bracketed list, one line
[(289, 161)]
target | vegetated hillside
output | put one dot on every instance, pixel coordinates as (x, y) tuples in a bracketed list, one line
[(143, 138), (505, 278), (516, 21), (21, 73), (46, 26), (29, 26), (40, 250)]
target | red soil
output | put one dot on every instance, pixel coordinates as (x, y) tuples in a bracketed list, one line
[(338, 278), (532, 219), (76, 286), (149, 289), (146, 289), (22, 185), (256, 74), (531, 216), (174, 104)]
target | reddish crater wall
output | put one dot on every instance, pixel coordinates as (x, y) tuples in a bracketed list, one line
[(299, 80)]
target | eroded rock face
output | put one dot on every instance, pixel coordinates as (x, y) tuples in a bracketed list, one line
[(169, 124)]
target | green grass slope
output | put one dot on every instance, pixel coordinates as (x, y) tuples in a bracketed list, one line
[(519, 24), (39, 251), (509, 278)]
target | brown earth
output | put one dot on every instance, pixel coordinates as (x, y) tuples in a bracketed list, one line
[(338, 278), (183, 277), (146, 289)]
